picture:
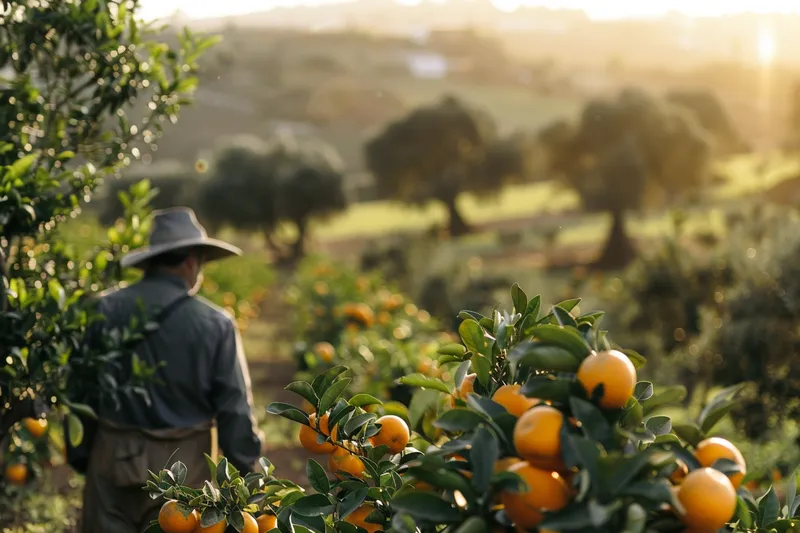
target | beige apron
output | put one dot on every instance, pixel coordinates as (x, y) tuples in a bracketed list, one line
[(114, 497)]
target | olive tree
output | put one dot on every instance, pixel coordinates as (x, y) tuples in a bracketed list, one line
[(437, 152), (623, 153), (71, 73), (258, 186)]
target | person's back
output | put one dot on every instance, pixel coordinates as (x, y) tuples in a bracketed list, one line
[(202, 379)]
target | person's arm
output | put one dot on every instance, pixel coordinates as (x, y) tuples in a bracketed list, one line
[(232, 399)]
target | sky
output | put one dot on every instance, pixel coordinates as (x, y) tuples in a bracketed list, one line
[(601, 9)]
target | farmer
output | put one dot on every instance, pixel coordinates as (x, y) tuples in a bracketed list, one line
[(201, 391)]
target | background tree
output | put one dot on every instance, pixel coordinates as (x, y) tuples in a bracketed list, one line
[(623, 153), (258, 186), (710, 113), (438, 152), (71, 71)]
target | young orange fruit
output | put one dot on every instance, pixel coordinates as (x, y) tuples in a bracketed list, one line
[(710, 450), (514, 401), (343, 461), (393, 433), (172, 519), (708, 498), (308, 436), (537, 437), (37, 427), (17, 473), (359, 517), (267, 522), (546, 492), (615, 371)]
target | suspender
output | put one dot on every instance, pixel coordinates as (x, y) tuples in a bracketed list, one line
[(162, 316)]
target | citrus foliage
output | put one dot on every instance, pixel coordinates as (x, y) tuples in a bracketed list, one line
[(587, 453)]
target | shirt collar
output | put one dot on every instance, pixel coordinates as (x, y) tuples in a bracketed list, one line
[(165, 277)]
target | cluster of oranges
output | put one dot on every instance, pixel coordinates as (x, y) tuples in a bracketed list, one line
[(344, 458), (173, 519), (16, 472), (707, 495)]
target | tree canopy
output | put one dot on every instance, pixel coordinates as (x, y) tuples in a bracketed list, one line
[(257, 186), (625, 152), (439, 151), (710, 113)]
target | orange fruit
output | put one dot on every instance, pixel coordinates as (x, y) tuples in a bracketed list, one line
[(425, 366), (35, 426), (546, 492), (173, 520), (679, 474), (537, 437), (467, 386), (504, 464), (514, 401), (342, 460), (359, 517), (708, 451), (17, 473), (307, 407), (308, 436), (325, 351), (267, 522), (708, 498), (219, 527), (615, 371), (394, 433), (361, 313), (250, 523)]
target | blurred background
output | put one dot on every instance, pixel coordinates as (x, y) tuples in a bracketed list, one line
[(387, 164)]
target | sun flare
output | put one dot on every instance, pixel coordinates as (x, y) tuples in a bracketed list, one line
[(766, 46)]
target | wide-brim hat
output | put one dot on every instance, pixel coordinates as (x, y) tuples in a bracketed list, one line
[(174, 229)]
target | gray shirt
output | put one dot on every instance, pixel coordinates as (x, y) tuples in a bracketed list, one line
[(205, 376)]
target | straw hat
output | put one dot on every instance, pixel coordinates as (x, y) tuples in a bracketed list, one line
[(177, 228)]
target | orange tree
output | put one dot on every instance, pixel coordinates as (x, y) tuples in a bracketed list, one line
[(72, 72), (551, 431)]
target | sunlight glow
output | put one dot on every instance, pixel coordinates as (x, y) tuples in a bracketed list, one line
[(767, 47)]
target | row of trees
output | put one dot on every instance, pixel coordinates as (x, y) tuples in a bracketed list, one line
[(621, 154)]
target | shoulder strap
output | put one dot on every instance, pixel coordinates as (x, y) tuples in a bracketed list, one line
[(168, 309)]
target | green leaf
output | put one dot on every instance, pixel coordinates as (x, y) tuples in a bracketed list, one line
[(179, 471), (628, 468), (667, 396), (211, 516), (548, 387), (484, 454), (474, 524), (357, 422), (459, 419), (564, 318), (360, 400), (593, 423), (566, 338), (519, 299), (236, 520), (659, 425), (330, 396), (657, 491), (57, 292), (403, 523), (569, 305), (453, 349), (81, 409), (791, 494), (743, 514), (313, 505), (483, 368), (690, 433), (636, 358), (721, 401), (288, 411), (546, 357), (323, 381), (710, 417), (473, 336), (317, 477), (643, 391), (20, 167), (423, 382), (533, 307), (580, 452), (426, 506), (74, 430), (768, 507), (305, 390)]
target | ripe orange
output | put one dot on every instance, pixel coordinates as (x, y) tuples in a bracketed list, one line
[(515, 402), (17, 473), (361, 313), (267, 522), (172, 520), (615, 371), (308, 436), (250, 523), (342, 460), (325, 351), (467, 386), (710, 450), (359, 516), (393, 433), (425, 366), (219, 527), (537, 437), (679, 474), (37, 427), (546, 492), (708, 498)]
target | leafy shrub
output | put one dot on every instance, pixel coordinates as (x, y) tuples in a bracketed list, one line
[(529, 442)]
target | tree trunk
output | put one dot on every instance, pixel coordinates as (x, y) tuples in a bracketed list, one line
[(274, 247), (458, 226), (619, 250), (299, 246)]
